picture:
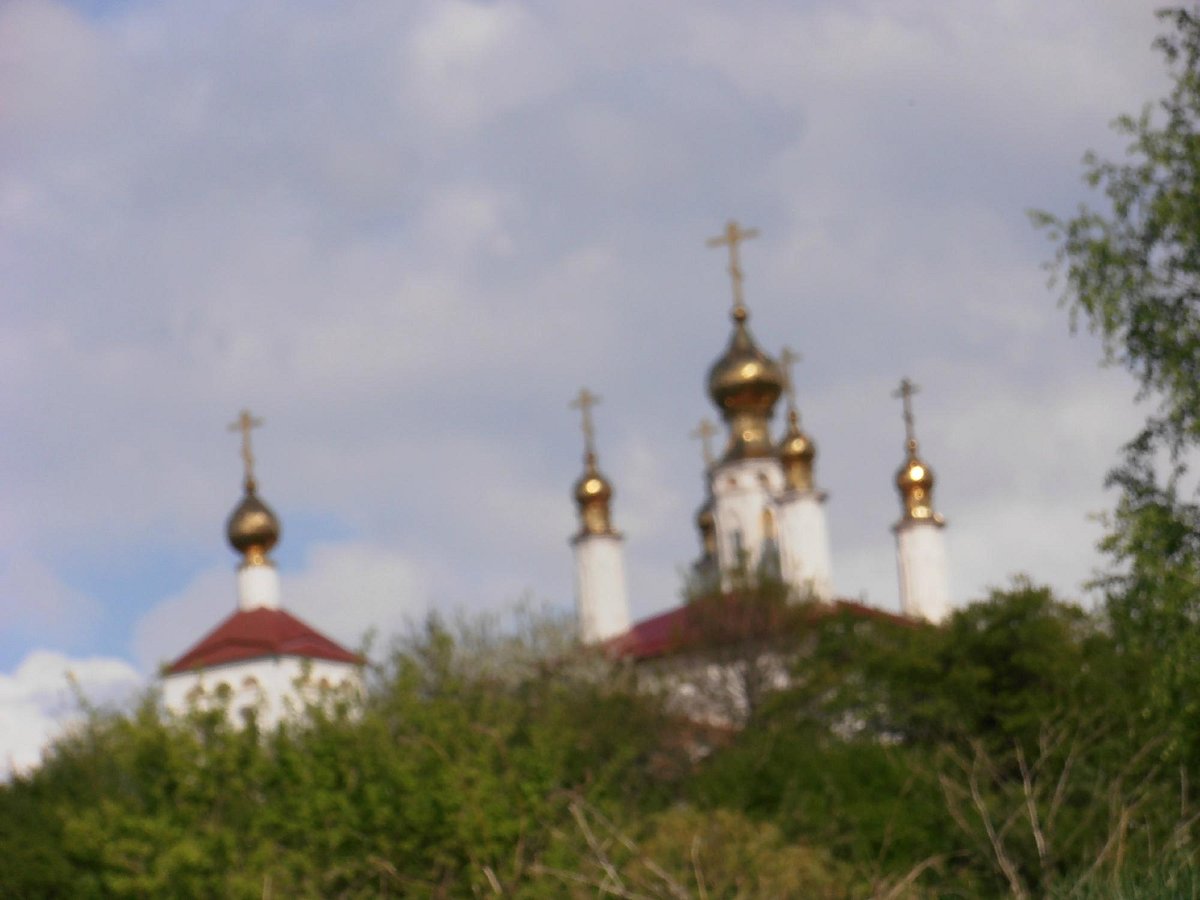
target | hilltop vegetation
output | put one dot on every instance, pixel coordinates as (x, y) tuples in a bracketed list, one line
[(1009, 752)]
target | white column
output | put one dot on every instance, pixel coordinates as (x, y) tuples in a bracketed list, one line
[(742, 502), (258, 586), (804, 544), (601, 599), (924, 573)]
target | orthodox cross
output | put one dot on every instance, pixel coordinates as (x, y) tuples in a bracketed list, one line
[(584, 403), (245, 424), (705, 432), (905, 392), (789, 358), (733, 235)]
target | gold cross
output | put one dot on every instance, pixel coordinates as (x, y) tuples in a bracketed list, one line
[(584, 403), (789, 358), (704, 433), (245, 423), (906, 391), (733, 235)]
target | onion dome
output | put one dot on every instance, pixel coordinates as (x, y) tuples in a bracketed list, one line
[(593, 494), (796, 454), (915, 482), (706, 523), (253, 528), (914, 479), (745, 384)]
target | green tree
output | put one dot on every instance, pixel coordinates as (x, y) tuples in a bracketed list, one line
[(452, 779), (1000, 750), (1131, 271)]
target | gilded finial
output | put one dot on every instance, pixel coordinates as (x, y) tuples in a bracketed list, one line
[(253, 529), (797, 451), (245, 423), (905, 392), (705, 432), (584, 402), (788, 359), (593, 492), (732, 237), (915, 479)]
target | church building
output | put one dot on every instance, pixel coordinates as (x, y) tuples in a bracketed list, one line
[(260, 659), (763, 510)]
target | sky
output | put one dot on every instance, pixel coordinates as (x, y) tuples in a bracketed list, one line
[(406, 234)]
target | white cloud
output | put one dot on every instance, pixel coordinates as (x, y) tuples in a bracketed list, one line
[(473, 62), (406, 234), (38, 700), (35, 601), (346, 590)]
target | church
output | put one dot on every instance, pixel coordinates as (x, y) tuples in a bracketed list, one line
[(763, 509), (260, 661)]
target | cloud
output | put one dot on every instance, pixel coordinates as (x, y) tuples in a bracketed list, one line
[(38, 700), (34, 600), (356, 588), (472, 62), (406, 234)]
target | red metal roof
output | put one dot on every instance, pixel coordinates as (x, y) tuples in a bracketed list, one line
[(259, 633), (677, 629)]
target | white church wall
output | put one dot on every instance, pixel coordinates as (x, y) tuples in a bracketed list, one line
[(277, 688), (742, 491), (716, 692)]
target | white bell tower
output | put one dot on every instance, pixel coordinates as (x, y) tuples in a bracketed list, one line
[(920, 539), (602, 602)]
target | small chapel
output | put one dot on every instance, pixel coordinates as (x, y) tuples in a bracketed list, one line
[(260, 660), (763, 509)]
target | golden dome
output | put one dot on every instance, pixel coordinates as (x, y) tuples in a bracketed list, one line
[(593, 493), (745, 383), (797, 453), (253, 529), (915, 482)]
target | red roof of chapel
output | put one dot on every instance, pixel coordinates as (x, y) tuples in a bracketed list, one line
[(677, 629), (258, 633)]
